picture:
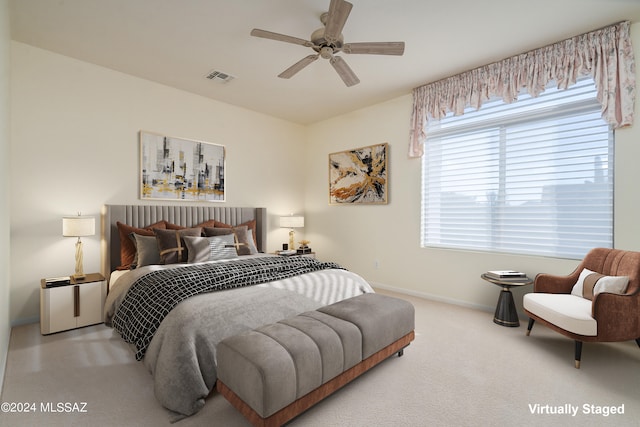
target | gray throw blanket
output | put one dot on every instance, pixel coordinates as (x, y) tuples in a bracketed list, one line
[(154, 295)]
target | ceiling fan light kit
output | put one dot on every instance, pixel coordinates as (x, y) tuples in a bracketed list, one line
[(328, 41)]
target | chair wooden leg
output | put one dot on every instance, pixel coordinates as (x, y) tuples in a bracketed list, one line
[(578, 353), (530, 325)]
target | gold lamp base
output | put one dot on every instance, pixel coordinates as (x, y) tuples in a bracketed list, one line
[(79, 274), (291, 240)]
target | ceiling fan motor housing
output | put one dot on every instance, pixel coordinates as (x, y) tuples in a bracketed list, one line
[(324, 47)]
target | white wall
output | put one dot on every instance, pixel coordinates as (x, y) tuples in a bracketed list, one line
[(75, 148), (5, 118), (358, 236)]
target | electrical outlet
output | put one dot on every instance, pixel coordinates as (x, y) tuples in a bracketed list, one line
[(376, 264)]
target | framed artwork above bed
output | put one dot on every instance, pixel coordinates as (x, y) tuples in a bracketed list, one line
[(181, 169), (359, 176)]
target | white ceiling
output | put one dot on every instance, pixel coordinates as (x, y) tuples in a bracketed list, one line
[(178, 42)]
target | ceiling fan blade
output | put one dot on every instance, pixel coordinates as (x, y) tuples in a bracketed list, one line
[(291, 71), (346, 74), (375, 48), (338, 13), (280, 37)]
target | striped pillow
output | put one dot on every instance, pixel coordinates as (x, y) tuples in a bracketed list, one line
[(590, 284), (244, 236), (202, 249)]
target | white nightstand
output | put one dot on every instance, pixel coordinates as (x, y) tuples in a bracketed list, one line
[(80, 303)]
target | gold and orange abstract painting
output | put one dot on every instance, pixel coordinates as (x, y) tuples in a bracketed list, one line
[(359, 176)]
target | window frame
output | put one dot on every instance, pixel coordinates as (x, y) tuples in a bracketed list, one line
[(439, 129)]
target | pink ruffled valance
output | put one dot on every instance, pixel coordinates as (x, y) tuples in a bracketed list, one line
[(605, 54)]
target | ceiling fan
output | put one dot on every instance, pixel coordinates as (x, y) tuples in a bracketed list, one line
[(328, 41)]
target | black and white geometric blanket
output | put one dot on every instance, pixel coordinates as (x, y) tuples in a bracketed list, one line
[(155, 294)]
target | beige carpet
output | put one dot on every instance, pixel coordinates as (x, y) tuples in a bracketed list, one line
[(461, 370)]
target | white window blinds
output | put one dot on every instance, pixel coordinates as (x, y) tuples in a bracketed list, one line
[(532, 177)]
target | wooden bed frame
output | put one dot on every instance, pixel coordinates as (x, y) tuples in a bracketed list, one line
[(184, 215)]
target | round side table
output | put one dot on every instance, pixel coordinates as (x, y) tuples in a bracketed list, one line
[(506, 314)]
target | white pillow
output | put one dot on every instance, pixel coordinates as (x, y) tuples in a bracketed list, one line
[(611, 284)]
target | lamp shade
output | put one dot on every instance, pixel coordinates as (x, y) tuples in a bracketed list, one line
[(78, 226), (292, 221)]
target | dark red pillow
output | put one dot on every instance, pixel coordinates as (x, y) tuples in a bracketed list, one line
[(171, 226), (209, 223)]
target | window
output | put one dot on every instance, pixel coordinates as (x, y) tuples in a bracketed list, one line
[(532, 177)]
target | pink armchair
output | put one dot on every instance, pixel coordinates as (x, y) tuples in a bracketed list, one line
[(608, 317)]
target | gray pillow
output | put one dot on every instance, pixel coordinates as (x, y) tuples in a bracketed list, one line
[(147, 252), (202, 249), (171, 244)]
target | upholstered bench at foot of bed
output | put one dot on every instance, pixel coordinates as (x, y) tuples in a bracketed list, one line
[(276, 372)]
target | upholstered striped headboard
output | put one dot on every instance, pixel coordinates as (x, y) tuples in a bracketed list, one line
[(187, 216)]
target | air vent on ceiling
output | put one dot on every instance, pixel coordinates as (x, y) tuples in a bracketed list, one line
[(219, 76)]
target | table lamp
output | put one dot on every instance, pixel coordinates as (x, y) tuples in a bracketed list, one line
[(78, 226), (291, 222)]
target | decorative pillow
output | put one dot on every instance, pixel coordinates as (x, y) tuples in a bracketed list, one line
[(212, 231), (202, 249), (251, 242), (172, 226), (251, 225), (590, 284), (171, 244), (243, 247), (209, 223), (127, 246), (147, 252), (242, 239)]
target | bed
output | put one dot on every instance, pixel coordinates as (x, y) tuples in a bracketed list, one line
[(174, 314)]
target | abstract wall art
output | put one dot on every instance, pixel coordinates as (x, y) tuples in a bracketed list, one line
[(181, 169), (359, 176)]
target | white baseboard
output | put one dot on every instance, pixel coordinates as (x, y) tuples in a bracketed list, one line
[(432, 297)]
